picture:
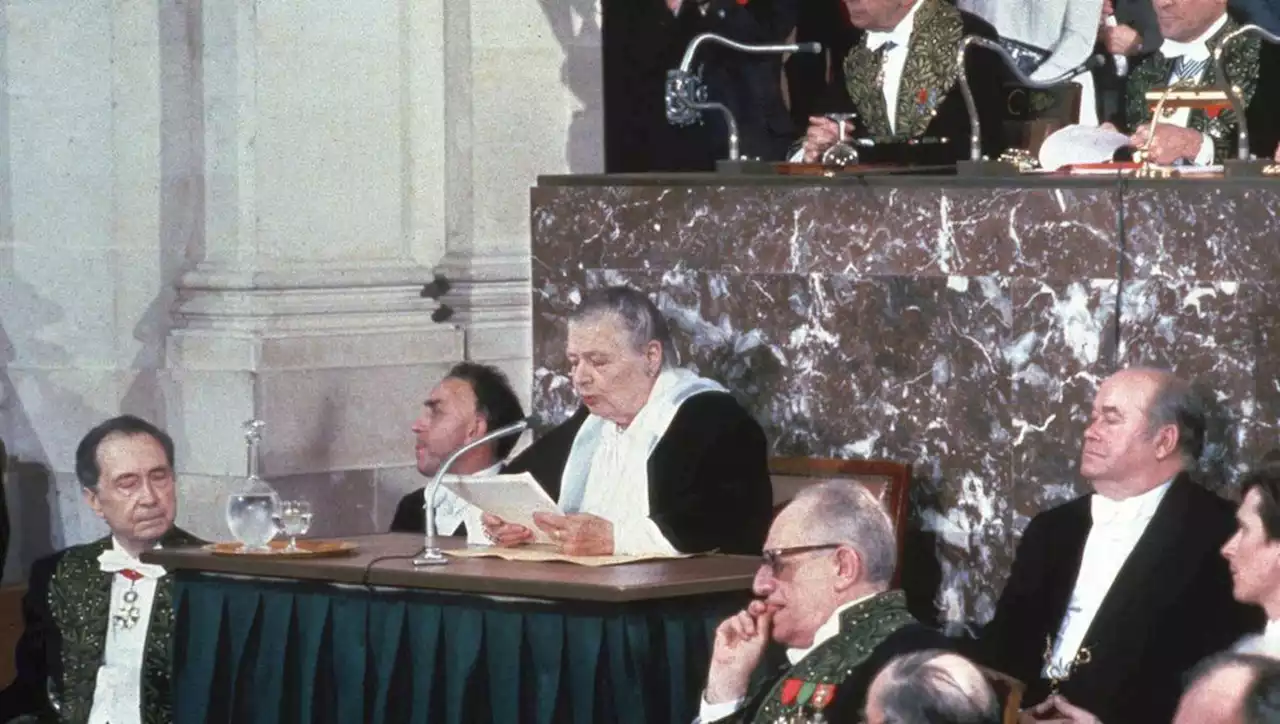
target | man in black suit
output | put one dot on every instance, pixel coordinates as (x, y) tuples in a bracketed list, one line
[(900, 76), (657, 460), (1114, 596), (643, 39), (470, 402), (823, 592)]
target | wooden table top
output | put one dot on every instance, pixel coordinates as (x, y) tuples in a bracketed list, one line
[(644, 581)]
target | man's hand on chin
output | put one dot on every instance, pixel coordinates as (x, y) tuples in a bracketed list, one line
[(738, 648), (1169, 144)]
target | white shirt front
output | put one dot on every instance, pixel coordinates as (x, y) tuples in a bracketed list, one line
[(829, 628), (117, 694), (452, 511), (1266, 643), (895, 59), (1196, 51), (618, 491), (1117, 527)]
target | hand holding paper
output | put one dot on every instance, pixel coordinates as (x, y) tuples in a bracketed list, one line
[(580, 534), (509, 503)]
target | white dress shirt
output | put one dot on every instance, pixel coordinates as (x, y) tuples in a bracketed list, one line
[(1117, 526), (895, 59), (1196, 51), (1266, 643), (452, 511), (829, 628), (618, 491), (117, 693)]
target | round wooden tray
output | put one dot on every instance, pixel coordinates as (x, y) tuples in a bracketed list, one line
[(306, 549)]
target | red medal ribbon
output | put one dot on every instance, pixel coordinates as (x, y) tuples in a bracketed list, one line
[(790, 689), (131, 574)]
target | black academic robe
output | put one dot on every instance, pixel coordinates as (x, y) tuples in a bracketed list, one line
[(872, 634), (930, 104), (709, 485), (1170, 606), (642, 40), (66, 617), (1250, 63)]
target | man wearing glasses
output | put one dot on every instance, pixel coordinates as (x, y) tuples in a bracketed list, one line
[(823, 592)]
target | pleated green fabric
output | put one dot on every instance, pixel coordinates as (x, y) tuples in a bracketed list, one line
[(278, 652)]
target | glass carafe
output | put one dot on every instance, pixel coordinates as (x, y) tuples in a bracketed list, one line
[(251, 509)]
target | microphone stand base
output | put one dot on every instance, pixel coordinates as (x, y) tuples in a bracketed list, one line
[(430, 557)]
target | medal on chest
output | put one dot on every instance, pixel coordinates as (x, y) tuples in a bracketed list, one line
[(809, 699), (127, 615)]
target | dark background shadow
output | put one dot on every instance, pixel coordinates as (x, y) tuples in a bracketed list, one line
[(581, 74)]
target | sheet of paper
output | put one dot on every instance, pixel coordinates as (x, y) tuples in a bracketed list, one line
[(514, 498), (542, 553), (1080, 144)]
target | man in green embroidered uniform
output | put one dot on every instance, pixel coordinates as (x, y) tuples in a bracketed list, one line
[(1193, 31), (823, 592), (96, 643)]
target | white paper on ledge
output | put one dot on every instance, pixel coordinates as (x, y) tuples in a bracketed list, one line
[(514, 498), (1080, 144)]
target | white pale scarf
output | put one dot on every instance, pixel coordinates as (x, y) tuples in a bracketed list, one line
[(670, 390)]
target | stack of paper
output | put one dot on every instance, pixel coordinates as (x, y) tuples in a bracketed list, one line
[(514, 498)]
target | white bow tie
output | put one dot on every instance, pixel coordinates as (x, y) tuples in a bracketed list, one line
[(114, 561)]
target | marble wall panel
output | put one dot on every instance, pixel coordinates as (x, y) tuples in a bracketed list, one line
[(1202, 231)]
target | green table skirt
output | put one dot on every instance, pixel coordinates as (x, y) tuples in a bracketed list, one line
[(267, 651)]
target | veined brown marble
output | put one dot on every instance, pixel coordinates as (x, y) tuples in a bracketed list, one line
[(958, 326)]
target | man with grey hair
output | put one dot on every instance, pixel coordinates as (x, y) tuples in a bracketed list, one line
[(1115, 595), (823, 592), (657, 459), (931, 687)]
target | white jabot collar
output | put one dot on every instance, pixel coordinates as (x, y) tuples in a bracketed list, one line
[(1139, 507), (1194, 50), (829, 628), (116, 559), (901, 33)]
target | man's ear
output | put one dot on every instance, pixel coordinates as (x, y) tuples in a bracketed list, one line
[(91, 497), (653, 357), (848, 568), (479, 428), (1166, 441)]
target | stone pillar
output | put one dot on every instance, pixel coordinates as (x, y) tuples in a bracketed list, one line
[(321, 128)]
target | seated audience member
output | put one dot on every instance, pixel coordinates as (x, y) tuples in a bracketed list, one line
[(1227, 688), (96, 642), (1115, 595), (823, 592), (1192, 31), (657, 460), (470, 402), (931, 687), (1254, 556), (900, 76)]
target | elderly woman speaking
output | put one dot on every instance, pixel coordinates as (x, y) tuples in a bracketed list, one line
[(658, 460)]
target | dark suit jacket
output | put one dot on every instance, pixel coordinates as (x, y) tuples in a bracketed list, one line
[(411, 518), (709, 485), (1263, 13), (1170, 606), (71, 577), (986, 72), (642, 40)]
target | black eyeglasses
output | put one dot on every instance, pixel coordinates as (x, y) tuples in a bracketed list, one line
[(773, 557)]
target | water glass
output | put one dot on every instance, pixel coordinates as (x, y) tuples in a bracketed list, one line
[(294, 519)]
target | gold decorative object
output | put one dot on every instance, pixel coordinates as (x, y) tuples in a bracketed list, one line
[(1021, 159), (1082, 657)]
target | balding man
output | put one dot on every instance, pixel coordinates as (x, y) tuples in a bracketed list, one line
[(823, 592), (1222, 690), (1114, 596), (938, 687)]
